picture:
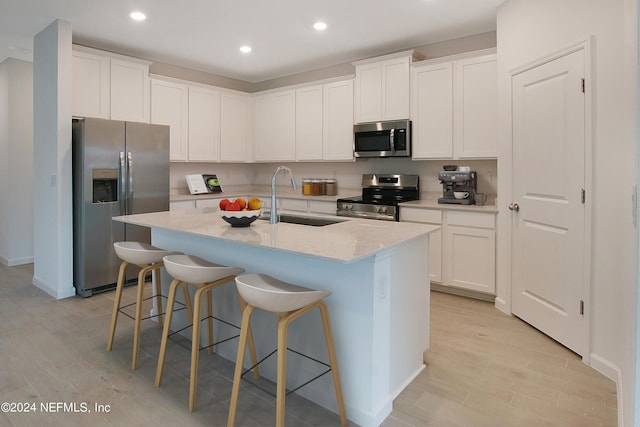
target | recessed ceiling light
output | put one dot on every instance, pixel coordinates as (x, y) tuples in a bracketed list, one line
[(320, 26), (245, 49), (138, 16)]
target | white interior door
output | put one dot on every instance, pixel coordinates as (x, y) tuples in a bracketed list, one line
[(548, 271)]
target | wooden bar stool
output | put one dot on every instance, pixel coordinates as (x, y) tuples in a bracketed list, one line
[(205, 276), (149, 259), (288, 302)]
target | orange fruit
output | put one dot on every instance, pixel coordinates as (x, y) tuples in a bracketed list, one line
[(242, 202), (254, 204)]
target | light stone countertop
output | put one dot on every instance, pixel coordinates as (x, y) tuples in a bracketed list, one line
[(490, 207), (428, 200), (347, 241), (262, 191)]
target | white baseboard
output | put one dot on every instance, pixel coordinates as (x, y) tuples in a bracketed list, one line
[(10, 262), (20, 261), (40, 284), (614, 373)]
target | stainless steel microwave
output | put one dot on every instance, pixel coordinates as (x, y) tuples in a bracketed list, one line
[(382, 139)]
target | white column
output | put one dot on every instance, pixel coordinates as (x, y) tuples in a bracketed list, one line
[(53, 223)]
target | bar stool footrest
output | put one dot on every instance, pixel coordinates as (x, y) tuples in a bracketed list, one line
[(293, 390), (172, 333), (122, 308)]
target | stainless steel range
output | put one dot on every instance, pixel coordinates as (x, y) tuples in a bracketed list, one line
[(381, 194)]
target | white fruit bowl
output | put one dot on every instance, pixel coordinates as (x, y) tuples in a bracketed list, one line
[(240, 218)]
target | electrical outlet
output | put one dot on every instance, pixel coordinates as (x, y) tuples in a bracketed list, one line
[(52, 180), (491, 175)]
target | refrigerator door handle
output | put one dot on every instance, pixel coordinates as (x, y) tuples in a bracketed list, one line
[(130, 192), (122, 173)]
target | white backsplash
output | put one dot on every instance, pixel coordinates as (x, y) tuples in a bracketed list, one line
[(348, 174)]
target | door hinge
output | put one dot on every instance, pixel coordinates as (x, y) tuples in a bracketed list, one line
[(582, 84), (581, 307), (583, 196)]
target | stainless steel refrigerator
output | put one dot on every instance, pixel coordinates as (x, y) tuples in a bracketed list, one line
[(118, 168)]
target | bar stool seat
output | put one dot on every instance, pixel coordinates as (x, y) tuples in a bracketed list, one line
[(204, 276), (149, 259), (288, 302)]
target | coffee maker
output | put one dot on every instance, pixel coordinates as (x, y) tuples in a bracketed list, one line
[(465, 183)]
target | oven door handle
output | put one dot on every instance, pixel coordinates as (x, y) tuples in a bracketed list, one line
[(366, 215)]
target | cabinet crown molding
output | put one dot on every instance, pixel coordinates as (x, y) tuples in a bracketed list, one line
[(456, 57), (415, 56), (112, 55)]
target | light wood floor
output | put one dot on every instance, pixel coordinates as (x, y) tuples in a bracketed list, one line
[(483, 369)]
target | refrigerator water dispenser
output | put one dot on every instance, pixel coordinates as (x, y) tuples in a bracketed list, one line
[(105, 185)]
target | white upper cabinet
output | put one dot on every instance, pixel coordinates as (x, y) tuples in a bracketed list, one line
[(382, 88), (91, 84), (432, 111), (324, 121), (476, 107), (309, 123), (368, 93), (204, 125), (396, 89), (234, 125), (109, 86), (274, 126), (337, 143), (454, 108), (130, 90), (169, 106)]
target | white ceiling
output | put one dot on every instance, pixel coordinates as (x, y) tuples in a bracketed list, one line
[(206, 34)]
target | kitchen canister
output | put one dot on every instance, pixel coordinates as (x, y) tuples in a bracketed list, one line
[(316, 187), (307, 186), (331, 186)]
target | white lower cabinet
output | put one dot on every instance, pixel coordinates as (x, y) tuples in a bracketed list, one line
[(293, 205), (182, 205), (463, 253), (434, 217), (327, 207), (208, 203), (316, 206)]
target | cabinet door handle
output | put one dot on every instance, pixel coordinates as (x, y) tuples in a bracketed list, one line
[(514, 207)]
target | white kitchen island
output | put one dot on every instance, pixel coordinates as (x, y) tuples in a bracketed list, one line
[(377, 272)]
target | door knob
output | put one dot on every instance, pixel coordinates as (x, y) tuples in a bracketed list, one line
[(514, 207)]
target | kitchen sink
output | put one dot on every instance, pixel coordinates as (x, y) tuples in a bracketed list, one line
[(305, 220)]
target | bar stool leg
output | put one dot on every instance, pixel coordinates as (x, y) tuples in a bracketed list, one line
[(328, 336), (242, 346), (252, 347), (136, 333), (281, 377), (195, 348), (116, 304), (209, 297), (165, 330), (156, 277), (187, 301)]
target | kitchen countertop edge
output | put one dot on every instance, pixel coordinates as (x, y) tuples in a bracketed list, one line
[(364, 243)]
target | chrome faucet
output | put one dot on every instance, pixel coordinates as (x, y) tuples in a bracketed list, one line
[(273, 216)]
